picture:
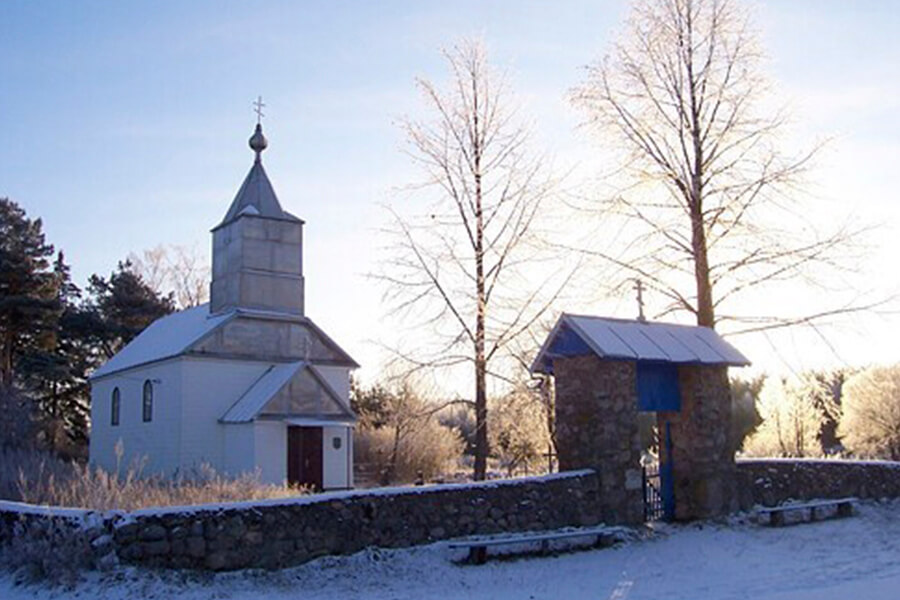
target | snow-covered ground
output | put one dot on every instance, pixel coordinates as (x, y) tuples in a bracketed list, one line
[(854, 558)]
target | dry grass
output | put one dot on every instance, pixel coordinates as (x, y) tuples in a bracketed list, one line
[(38, 477)]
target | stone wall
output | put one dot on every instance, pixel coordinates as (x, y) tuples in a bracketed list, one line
[(704, 474), (597, 428), (772, 481), (276, 533)]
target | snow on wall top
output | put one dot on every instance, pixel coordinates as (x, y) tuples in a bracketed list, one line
[(355, 493), (90, 516), (608, 338), (164, 338)]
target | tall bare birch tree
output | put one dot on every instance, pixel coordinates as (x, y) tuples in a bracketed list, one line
[(465, 269), (710, 191)]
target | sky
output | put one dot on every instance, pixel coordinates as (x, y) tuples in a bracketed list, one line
[(125, 126)]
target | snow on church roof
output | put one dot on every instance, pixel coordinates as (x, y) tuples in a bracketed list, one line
[(635, 340), (164, 338), (175, 334)]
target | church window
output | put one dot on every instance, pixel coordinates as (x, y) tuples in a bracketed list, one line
[(148, 401), (336, 442), (114, 407)]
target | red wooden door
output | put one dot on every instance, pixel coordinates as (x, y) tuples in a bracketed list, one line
[(304, 459)]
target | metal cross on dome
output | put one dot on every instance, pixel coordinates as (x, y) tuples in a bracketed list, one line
[(257, 108)]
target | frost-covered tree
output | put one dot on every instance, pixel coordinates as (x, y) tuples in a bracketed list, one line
[(518, 431), (181, 271), (792, 418), (466, 263), (399, 435), (870, 425), (709, 197), (745, 417)]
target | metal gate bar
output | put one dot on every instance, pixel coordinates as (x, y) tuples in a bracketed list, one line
[(653, 500)]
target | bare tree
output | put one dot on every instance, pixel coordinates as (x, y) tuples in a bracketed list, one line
[(711, 193), (469, 270), (870, 425), (181, 270)]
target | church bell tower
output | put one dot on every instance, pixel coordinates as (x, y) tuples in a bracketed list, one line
[(257, 248)]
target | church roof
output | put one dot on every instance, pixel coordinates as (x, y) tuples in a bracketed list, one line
[(164, 338), (176, 334), (257, 196), (620, 339)]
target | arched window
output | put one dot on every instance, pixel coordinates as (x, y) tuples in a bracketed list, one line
[(148, 401), (114, 407)]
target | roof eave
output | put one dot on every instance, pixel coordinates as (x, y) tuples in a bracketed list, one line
[(287, 219)]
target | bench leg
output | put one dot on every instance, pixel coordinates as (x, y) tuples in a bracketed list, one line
[(845, 509), (776, 518), (812, 513), (478, 555)]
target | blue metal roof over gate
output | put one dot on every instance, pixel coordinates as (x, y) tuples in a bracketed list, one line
[(643, 341)]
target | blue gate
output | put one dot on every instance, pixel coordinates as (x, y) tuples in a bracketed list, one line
[(666, 477)]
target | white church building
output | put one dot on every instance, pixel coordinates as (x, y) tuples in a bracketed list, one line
[(246, 382)]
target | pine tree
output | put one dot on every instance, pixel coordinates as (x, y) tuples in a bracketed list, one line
[(122, 306), (57, 377), (29, 290)]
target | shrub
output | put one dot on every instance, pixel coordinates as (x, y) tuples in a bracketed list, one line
[(430, 450), (39, 477), (47, 551)]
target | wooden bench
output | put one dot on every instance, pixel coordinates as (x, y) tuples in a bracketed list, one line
[(776, 513), (478, 546)]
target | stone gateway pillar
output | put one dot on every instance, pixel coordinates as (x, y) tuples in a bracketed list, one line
[(703, 462), (597, 428)]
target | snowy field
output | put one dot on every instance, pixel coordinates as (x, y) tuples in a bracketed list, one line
[(856, 558)]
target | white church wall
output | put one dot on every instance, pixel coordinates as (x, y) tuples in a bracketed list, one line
[(211, 387), (154, 443), (270, 448), (238, 448), (336, 462)]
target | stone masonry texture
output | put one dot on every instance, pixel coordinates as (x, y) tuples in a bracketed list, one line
[(283, 533), (704, 473), (597, 428), (771, 482)]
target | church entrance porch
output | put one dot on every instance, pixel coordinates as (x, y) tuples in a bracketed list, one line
[(304, 457)]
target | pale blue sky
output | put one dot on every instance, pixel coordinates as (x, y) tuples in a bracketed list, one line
[(125, 123)]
